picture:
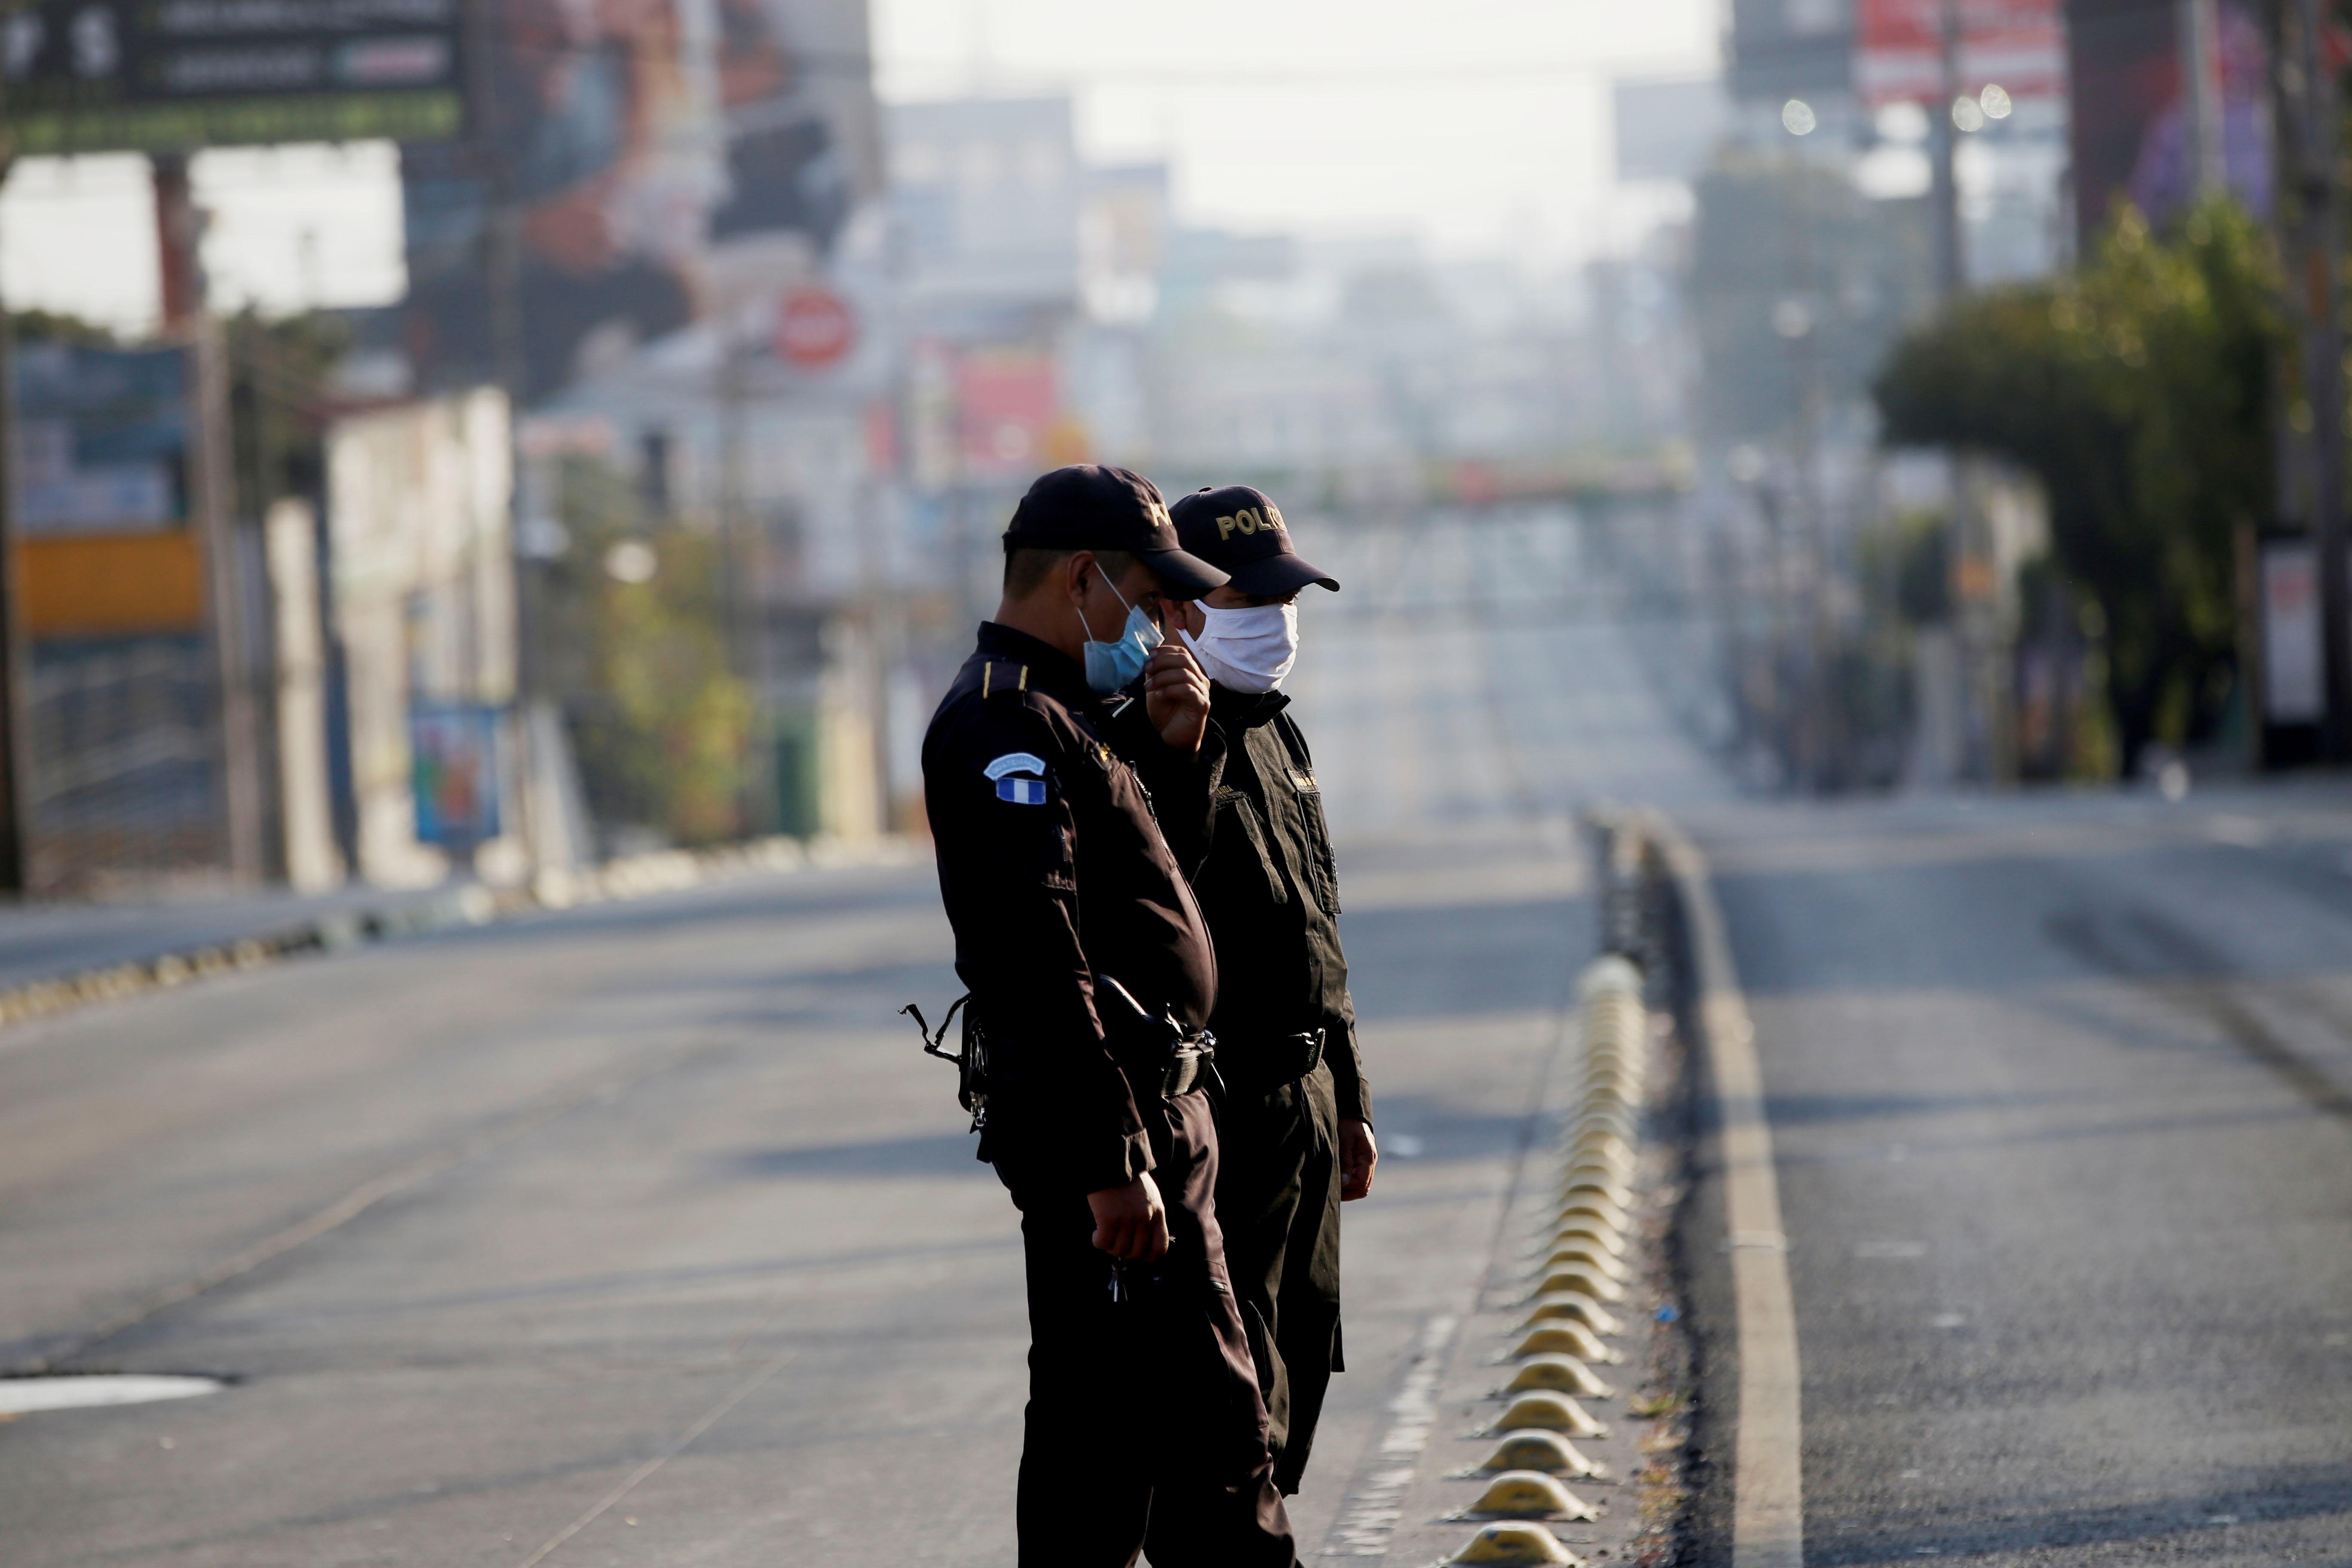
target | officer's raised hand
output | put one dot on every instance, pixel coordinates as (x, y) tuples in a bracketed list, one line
[(1176, 695), (1130, 1222)]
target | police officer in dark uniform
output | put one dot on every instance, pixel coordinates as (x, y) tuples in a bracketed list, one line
[(1296, 1123), (1091, 975)]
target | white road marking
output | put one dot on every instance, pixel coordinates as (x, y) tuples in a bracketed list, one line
[(27, 1395), (1369, 1516), (1768, 1508)]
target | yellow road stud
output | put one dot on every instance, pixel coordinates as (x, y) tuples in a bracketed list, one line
[(1530, 1494), (1588, 1181), (1563, 1337), (1551, 1373), (1585, 1228), (1549, 1413), (1534, 1451), (1581, 1253), (1592, 1206), (1597, 1286), (1600, 1143), (1615, 972), (1613, 1130), (1577, 1307), (1509, 1544)]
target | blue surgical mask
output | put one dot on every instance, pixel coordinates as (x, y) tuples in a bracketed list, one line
[(1112, 665)]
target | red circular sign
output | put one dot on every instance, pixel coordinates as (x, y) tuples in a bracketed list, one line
[(815, 328)]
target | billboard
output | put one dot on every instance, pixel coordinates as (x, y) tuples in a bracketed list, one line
[(667, 160), (2130, 116), (155, 75), (2019, 45), (101, 439), (100, 478)]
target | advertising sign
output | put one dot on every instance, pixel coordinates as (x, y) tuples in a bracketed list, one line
[(453, 754), (101, 440), (1008, 400), (2130, 118), (666, 155), (2019, 45), (2293, 686), (152, 75), (100, 487)]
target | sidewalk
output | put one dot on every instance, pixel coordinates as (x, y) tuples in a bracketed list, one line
[(63, 954), (59, 941)]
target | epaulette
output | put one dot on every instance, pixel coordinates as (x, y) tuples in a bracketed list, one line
[(1001, 677)]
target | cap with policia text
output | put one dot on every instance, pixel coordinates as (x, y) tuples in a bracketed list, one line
[(1238, 530), (1085, 507)]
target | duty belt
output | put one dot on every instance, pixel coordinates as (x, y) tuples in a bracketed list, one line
[(1260, 1064), (1180, 1071)]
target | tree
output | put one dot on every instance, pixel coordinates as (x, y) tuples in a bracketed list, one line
[(2139, 392)]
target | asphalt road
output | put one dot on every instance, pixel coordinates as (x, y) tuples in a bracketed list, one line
[(2062, 1095), (654, 1208)]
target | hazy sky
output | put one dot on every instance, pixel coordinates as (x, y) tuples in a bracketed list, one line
[(1480, 124)]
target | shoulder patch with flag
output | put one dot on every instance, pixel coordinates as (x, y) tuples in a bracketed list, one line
[(1006, 771)]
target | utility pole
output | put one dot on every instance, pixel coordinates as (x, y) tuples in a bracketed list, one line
[(2198, 25), (2317, 140), (179, 231), (15, 721)]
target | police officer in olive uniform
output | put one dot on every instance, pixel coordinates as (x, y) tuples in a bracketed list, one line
[(1295, 1123), (1091, 975)]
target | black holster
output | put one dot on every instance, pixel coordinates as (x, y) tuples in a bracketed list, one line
[(1160, 1055)]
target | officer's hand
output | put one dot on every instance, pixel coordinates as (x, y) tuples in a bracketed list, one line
[(1130, 1223), (1176, 695), (1358, 1155)]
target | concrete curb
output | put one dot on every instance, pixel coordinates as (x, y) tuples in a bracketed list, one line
[(1767, 1518), (474, 904)]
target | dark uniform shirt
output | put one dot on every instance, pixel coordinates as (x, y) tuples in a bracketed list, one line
[(1053, 870), (1245, 818)]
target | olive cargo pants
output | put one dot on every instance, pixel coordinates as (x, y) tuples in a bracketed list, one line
[(1278, 1205)]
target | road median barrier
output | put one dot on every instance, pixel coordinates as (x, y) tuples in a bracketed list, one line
[(1588, 1290)]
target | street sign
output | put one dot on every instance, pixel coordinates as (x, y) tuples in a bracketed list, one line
[(162, 76), (815, 328)]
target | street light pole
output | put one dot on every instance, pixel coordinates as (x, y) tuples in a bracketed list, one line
[(1943, 135)]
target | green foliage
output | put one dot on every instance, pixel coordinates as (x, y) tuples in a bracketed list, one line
[(2138, 392), (55, 327), (278, 371), (661, 724)]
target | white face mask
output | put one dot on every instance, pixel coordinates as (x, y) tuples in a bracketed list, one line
[(1248, 649)]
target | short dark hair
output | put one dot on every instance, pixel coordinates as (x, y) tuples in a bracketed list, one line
[(1026, 568)]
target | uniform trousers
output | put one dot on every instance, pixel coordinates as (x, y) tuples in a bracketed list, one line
[(1145, 1429), (1278, 1205)]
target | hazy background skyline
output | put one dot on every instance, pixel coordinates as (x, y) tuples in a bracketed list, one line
[(1310, 117)]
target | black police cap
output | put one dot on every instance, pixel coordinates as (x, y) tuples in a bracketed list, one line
[(1088, 506), (1239, 531)]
